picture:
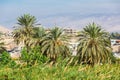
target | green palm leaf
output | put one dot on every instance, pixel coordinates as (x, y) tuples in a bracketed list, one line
[(94, 45)]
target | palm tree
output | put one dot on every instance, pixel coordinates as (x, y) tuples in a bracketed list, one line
[(39, 34), (24, 32), (94, 45), (54, 44)]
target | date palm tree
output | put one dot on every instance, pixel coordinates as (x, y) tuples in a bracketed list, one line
[(94, 45), (24, 31), (54, 44), (39, 34)]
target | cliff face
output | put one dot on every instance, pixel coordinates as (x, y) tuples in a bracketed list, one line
[(116, 48), (6, 38)]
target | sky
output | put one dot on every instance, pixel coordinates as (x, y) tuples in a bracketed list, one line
[(74, 14)]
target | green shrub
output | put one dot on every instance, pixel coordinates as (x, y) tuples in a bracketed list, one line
[(33, 57), (5, 60)]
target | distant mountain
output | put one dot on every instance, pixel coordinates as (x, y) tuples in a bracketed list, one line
[(4, 29)]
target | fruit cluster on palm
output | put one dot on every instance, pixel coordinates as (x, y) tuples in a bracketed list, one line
[(94, 45)]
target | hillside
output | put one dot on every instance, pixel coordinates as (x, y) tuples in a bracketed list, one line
[(4, 29)]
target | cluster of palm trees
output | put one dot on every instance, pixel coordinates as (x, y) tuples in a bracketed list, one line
[(94, 43), (53, 42)]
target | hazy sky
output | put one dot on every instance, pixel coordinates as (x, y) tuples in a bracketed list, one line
[(65, 13)]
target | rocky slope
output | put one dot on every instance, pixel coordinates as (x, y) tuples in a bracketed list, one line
[(4, 29)]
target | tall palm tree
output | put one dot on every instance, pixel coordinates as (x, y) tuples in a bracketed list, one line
[(24, 31), (94, 45), (54, 44)]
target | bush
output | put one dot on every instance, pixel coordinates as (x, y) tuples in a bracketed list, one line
[(5, 60), (33, 57)]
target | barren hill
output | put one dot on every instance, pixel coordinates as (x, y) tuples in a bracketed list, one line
[(4, 29)]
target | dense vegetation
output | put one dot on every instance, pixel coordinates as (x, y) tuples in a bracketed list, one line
[(115, 35), (81, 72), (46, 54)]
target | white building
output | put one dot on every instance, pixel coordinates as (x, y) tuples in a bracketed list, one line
[(115, 42)]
